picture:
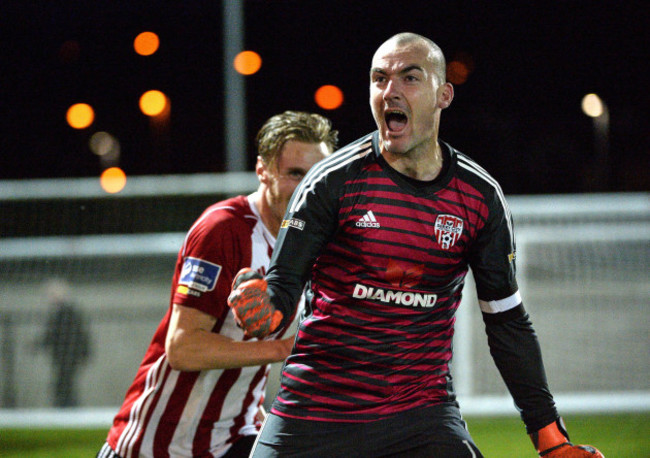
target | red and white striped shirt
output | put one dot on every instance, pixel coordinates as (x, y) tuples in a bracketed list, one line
[(172, 413)]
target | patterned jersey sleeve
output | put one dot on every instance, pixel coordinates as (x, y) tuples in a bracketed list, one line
[(492, 256), (511, 337)]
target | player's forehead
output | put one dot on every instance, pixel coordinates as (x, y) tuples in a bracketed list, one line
[(393, 56), (300, 154)]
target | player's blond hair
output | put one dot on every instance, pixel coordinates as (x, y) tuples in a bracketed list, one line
[(293, 125)]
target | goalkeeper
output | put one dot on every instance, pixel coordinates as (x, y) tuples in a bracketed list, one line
[(382, 234)]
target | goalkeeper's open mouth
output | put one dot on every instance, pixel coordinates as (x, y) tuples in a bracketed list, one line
[(396, 121)]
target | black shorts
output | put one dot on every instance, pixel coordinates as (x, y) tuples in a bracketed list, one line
[(437, 431)]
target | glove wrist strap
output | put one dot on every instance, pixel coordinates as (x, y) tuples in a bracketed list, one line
[(550, 437), (549, 450)]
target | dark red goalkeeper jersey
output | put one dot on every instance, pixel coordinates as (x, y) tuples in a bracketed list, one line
[(384, 258)]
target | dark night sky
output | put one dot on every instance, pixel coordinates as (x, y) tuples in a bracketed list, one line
[(518, 114)]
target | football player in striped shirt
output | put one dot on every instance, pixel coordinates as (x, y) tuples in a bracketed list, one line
[(382, 233), (200, 386)]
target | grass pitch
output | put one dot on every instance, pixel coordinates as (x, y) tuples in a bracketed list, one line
[(617, 436)]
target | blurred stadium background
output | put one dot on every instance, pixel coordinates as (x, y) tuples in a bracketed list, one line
[(123, 120), (582, 260)]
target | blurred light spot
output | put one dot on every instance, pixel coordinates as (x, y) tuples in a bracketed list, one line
[(146, 43), (69, 51), (329, 97), (112, 180), (80, 115), (592, 105), (153, 103), (107, 147), (101, 143), (247, 62), (459, 68), (457, 72)]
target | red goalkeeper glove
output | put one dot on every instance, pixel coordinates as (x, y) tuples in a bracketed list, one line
[(552, 441), (250, 304)]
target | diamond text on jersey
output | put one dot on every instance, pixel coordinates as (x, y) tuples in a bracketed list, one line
[(394, 297)]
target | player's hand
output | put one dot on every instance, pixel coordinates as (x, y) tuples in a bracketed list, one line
[(250, 304), (552, 441)]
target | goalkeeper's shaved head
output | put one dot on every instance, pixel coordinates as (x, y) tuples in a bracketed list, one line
[(435, 55)]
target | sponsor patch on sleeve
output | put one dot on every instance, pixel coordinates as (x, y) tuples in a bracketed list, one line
[(293, 222), (199, 275), (182, 289)]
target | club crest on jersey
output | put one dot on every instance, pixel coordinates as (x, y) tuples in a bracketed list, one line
[(448, 229), (199, 275)]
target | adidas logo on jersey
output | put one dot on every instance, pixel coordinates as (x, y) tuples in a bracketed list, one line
[(367, 220)]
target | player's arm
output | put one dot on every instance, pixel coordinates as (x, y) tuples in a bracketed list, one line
[(192, 346), (518, 357), (511, 337), (516, 353)]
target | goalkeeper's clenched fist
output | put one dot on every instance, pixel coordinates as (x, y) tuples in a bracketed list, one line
[(552, 441), (251, 306)]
